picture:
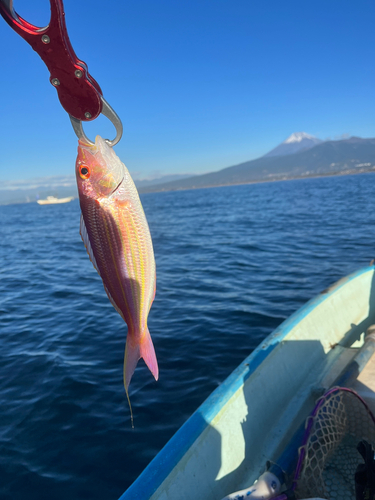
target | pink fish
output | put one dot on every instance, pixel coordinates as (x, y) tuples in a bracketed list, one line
[(115, 232)]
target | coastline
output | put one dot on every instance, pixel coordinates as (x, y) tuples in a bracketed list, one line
[(262, 181), (160, 189)]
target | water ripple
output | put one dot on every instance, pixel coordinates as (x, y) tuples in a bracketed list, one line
[(232, 264)]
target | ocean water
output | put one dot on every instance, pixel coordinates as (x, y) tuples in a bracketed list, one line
[(232, 264)]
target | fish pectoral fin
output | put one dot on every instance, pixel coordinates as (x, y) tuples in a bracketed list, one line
[(86, 240), (123, 203), (134, 352)]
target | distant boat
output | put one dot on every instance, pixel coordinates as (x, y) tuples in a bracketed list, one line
[(52, 200)]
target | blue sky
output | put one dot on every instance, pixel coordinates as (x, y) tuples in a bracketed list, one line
[(199, 85)]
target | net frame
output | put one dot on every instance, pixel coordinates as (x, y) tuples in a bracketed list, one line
[(345, 437)]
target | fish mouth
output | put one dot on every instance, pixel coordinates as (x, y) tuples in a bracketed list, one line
[(116, 188)]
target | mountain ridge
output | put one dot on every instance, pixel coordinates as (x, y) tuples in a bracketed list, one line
[(296, 142), (140, 183), (353, 155)]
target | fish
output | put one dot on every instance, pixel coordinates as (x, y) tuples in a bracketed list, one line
[(117, 238)]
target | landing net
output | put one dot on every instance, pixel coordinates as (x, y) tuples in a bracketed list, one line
[(329, 458)]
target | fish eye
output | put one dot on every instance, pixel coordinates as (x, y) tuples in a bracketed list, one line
[(84, 172)]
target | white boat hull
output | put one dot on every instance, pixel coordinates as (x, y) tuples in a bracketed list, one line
[(53, 201)]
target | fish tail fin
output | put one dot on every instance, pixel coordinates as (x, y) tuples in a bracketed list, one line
[(133, 353), (147, 352)]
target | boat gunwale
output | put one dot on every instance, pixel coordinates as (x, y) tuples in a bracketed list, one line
[(170, 455)]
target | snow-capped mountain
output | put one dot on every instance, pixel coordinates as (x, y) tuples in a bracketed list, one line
[(296, 142)]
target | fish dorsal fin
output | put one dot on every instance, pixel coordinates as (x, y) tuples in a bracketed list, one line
[(86, 240)]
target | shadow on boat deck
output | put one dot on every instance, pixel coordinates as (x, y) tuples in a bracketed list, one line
[(273, 429)]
